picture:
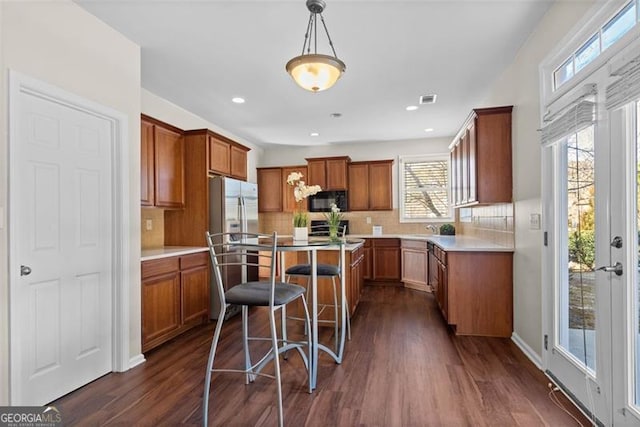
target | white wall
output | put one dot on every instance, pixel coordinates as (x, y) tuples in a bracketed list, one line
[(519, 85), (161, 109), (61, 44), (291, 156)]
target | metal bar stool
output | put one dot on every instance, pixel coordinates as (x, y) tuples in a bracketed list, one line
[(226, 250)]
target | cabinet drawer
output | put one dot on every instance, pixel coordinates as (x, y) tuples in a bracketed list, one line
[(414, 244), (386, 243), (194, 260), (159, 266)]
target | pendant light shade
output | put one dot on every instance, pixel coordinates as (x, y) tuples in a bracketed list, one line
[(313, 71)]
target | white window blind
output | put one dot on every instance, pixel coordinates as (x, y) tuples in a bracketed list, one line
[(573, 119), (425, 189), (627, 87)]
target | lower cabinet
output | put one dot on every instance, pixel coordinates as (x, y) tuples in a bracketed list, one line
[(175, 297), (474, 290), (414, 264), (356, 278), (382, 260)]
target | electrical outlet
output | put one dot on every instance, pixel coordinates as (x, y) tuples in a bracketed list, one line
[(368, 220), (534, 222), (149, 225)]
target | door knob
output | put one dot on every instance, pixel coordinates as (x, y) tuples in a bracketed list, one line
[(616, 242), (617, 268), (25, 270)]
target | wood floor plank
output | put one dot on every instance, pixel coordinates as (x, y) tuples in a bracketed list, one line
[(403, 367)]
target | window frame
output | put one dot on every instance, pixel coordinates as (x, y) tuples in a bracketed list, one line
[(443, 156), (593, 21)]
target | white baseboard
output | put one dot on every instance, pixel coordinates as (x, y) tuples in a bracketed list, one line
[(528, 351), (136, 360)]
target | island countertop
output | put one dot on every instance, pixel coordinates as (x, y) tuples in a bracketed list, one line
[(448, 243)]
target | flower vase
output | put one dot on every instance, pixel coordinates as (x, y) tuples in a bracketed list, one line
[(333, 233), (300, 234)]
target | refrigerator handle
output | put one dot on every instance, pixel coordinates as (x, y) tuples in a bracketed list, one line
[(243, 215)]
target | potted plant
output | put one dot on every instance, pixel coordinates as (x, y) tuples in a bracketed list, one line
[(300, 217), (333, 220), (447, 230)]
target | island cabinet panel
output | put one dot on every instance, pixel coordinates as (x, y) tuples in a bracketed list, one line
[(162, 164), (367, 261), (370, 186), (414, 264), (175, 297), (481, 158), (330, 173), (474, 290), (270, 190), (289, 203)]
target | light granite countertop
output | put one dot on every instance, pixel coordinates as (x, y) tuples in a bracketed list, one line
[(169, 251), (448, 243)]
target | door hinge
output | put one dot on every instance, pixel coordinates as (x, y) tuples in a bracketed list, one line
[(546, 339), (546, 238)]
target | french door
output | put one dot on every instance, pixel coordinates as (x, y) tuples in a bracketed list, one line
[(591, 185)]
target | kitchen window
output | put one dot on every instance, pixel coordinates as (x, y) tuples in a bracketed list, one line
[(424, 188)]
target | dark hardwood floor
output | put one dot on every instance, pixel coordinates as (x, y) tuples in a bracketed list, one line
[(402, 368)]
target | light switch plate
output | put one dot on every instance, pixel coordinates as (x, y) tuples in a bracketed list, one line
[(534, 222), (368, 220), (149, 225)]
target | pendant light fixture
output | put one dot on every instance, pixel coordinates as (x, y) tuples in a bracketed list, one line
[(314, 71)]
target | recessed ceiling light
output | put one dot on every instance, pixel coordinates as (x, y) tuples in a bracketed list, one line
[(428, 130), (237, 100), (314, 134), (412, 108)]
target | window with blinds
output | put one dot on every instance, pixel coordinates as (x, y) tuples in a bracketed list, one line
[(424, 188)]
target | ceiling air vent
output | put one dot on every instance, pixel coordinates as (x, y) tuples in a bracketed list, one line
[(428, 99)]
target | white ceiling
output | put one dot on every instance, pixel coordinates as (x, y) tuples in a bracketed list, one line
[(200, 54)]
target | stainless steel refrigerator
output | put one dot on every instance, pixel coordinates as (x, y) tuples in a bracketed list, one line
[(234, 209)]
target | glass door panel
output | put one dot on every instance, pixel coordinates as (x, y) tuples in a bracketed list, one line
[(577, 317)]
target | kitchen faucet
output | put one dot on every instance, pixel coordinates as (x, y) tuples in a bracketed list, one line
[(432, 227)]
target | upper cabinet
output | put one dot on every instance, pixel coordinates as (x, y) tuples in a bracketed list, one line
[(330, 173), (270, 189), (227, 157), (162, 164), (289, 203), (370, 186), (481, 158)]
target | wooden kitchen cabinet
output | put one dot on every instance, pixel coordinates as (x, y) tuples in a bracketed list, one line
[(474, 290), (370, 186), (162, 164), (481, 158), (175, 297), (289, 203), (270, 189), (383, 263), (226, 157), (414, 264), (330, 173), (367, 261)]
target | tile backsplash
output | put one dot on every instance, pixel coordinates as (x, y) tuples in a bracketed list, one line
[(283, 222), (153, 238), (492, 222)]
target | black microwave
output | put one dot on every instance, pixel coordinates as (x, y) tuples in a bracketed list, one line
[(322, 201)]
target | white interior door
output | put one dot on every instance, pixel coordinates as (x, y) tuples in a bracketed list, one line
[(62, 225)]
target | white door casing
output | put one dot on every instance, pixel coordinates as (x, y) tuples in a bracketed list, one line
[(67, 223)]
